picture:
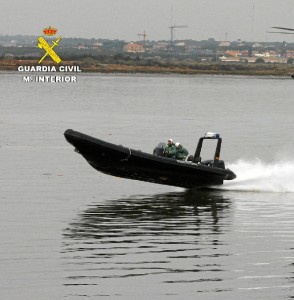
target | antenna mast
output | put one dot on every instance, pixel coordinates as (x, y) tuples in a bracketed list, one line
[(252, 24)]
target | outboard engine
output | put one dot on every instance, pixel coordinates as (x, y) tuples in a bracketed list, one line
[(159, 149)]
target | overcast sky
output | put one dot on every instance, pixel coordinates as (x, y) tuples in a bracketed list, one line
[(124, 19)]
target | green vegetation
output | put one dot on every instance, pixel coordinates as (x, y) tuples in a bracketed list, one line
[(185, 57)]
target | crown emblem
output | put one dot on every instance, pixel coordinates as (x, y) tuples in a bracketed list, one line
[(50, 31)]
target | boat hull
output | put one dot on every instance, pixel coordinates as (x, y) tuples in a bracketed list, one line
[(128, 163)]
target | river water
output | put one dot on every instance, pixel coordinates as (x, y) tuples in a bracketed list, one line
[(68, 231)]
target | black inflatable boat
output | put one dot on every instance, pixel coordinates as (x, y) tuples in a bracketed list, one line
[(124, 162)]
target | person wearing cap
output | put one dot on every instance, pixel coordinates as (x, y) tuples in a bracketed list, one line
[(170, 149), (181, 152)]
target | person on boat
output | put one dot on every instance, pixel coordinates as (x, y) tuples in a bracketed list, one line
[(170, 149), (181, 152)]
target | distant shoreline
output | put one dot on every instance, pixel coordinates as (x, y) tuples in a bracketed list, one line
[(193, 69)]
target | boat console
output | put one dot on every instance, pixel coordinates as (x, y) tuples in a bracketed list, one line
[(196, 158)]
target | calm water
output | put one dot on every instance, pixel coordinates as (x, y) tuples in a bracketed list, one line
[(70, 232)]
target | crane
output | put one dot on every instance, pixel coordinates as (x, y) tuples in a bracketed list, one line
[(143, 35), (172, 31)]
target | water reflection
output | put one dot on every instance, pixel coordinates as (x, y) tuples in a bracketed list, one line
[(178, 235), (166, 213)]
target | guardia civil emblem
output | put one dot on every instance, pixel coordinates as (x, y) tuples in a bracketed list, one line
[(43, 44)]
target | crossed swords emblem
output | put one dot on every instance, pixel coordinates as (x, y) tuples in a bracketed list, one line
[(49, 49)]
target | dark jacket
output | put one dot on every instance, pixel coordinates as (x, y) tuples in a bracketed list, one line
[(170, 150), (181, 153)]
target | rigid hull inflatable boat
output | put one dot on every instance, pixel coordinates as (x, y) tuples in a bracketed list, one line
[(124, 162)]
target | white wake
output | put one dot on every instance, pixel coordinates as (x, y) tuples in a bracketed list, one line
[(262, 177)]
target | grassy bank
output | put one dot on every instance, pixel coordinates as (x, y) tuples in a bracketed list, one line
[(90, 65)]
